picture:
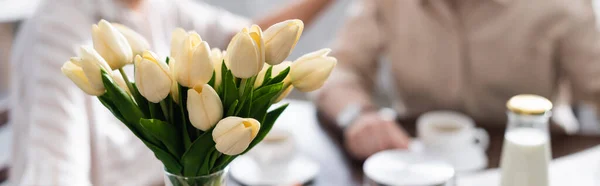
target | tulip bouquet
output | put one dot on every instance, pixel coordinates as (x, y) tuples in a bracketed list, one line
[(197, 109)]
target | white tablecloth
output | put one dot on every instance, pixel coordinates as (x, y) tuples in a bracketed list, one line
[(579, 169)]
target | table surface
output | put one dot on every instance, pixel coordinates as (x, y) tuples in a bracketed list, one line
[(338, 169)]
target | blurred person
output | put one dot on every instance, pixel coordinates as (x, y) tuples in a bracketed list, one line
[(63, 136), (469, 56)]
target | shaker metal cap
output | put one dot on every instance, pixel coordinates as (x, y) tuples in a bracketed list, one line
[(529, 104)]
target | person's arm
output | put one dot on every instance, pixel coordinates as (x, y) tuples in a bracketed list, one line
[(579, 53), (217, 25), (358, 48), (51, 131), (305, 10)]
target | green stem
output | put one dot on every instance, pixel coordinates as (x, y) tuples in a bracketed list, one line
[(164, 109), (243, 86), (171, 119), (129, 85)]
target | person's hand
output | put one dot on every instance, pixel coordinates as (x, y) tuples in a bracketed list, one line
[(371, 133)]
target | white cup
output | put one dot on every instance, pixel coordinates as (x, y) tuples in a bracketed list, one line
[(274, 154), (453, 137)]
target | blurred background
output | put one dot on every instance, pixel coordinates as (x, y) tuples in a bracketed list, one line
[(13, 12)]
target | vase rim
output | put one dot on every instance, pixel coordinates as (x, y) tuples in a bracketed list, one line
[(195, 177)]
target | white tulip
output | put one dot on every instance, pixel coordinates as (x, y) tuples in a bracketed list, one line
[(280, 40), (233, 135), (284, 94), (245, 53), (138, 43), (193, 64), (92, 63), (174, 84), (260, 78), (74, 72), (152, 77), (111, 45), (204, 107), (217, 60), (309, 72), (177, 37)]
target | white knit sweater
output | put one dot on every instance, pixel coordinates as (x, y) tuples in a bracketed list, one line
[(64, 137)]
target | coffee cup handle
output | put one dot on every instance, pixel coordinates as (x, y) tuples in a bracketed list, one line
[(482, 138)]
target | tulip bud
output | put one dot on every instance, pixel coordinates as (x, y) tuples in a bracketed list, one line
[(177, 37), (194, 66), (233, 135), (93, 64), (76, 74), (217, 60), (204, 107), (309, 72), (245, 53), (138, 43), (274, 72), (111, 45), (152, 77), (174, 84), (280, 40)]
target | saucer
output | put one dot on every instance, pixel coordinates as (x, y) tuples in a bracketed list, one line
[(300, 169), (404, 167), (464, 160), (467, 160)]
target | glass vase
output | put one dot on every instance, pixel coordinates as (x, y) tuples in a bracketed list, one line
[(214, 179)]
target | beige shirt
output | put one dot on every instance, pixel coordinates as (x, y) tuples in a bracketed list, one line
[(471, 56), (63, 137)]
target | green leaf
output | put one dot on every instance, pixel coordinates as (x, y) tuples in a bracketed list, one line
[(212, 155), (187, 141), (170, 162), (280, 77), (166, 133), (232, 108), (193, 158), (222, 162), (223, 74), (246, 98), (266, 126), (245, 109), (212, 80), (105, 100), (167, 60), (263, 99), (259, 111), (129, 110), (267, 76), (230, 90), (269, 89), (213, 159), (140, 100)]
